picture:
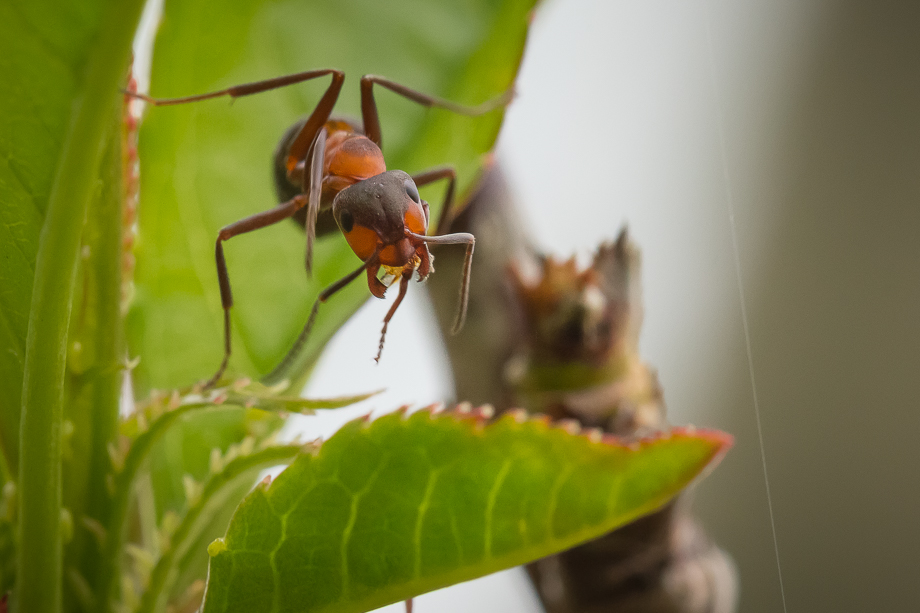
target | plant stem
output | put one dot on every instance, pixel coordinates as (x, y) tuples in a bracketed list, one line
[(92, 388), (39, 556)]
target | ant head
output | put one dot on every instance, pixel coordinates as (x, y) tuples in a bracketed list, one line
[(378, 211)]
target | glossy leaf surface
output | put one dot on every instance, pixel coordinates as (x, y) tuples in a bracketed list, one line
[(208, 164), (400, 506)]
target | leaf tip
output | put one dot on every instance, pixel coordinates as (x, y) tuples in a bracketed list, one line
[(723, 440)]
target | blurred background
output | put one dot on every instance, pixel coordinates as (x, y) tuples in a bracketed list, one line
[(772, 145), (801, 117)]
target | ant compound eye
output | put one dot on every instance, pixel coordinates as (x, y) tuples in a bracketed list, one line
[(412, 191), (346, 221)]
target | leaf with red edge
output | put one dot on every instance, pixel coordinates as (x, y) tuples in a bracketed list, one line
[(389, 509)]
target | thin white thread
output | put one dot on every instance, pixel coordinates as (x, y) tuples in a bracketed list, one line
[(744, 317)]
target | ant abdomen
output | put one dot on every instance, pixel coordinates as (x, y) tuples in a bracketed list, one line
[(287, 187)]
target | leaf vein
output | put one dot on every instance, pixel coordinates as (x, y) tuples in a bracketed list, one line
[(554, 497), (490, 504), (615, 488), (420, 520), (44, 41), (17, 175), (349, 527)]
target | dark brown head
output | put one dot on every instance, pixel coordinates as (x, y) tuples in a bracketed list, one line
[(378, 211)]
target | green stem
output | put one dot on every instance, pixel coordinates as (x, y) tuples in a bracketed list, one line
[(108, 373), (39, 556), (94, 379), (164, 573)]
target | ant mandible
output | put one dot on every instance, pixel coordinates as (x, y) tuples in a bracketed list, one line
[(325, 165)]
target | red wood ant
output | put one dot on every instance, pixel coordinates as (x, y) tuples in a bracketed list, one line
[(331, 167)]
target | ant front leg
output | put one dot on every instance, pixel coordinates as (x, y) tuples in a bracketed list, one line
[(446, 216), (255, 222), (371, 263), (403, 285), (371, 118)]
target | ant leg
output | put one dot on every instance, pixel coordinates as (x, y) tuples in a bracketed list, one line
[(245, 89), (275, 375), (301, 144), (372, 120), (254, 222), (315, 194), (435, 174), (403, 284), (457, 238)]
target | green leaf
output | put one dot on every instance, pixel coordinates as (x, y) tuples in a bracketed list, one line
[(95, 360), (45, 48), (175, 436), (179, 432), (243, 393), (185, 450), (7, 555), (221, 488), (208, 164), (396, 507), (39, 85), (62, 65)]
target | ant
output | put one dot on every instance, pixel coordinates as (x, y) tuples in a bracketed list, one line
[(327, 167)]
